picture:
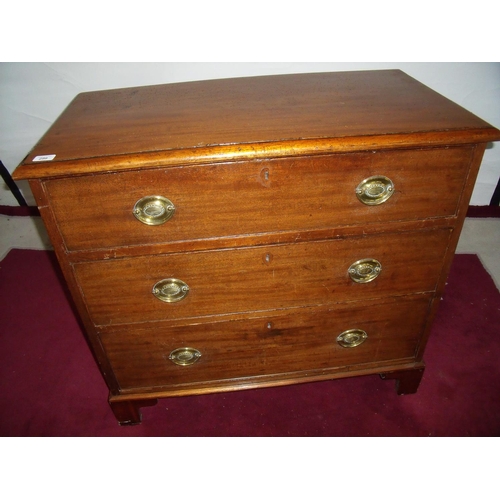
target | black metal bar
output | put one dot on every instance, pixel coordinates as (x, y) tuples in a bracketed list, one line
[(495, 199), (12, 185)]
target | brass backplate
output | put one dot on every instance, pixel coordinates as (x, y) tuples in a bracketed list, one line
[(375, 190), (352, 338), (170, 290), (185, 356), (154, 210), (364, 270)]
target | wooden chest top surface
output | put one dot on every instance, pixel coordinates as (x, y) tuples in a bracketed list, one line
[(274, 115)]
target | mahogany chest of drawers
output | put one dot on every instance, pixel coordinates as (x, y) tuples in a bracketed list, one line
[(250, 232)]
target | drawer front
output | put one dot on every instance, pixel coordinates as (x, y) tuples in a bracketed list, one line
[(256, 197), (286, 342), (259, 278)]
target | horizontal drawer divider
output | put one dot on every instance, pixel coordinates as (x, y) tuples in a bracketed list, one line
[(248, 315), (263, 239)]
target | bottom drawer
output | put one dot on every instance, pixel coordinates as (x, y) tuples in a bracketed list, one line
[(294, 340)]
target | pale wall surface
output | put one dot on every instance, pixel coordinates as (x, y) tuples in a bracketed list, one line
[(32, 95)]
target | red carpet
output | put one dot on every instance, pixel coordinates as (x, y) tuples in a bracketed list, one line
[(50, 386)]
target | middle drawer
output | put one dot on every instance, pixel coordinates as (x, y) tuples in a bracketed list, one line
[(227, 281)]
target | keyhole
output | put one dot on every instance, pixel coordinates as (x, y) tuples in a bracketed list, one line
[(264, 176)]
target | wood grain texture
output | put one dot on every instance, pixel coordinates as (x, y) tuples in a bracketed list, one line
[(260, 239), (50, 221), (242, 280), (219, 118), (286, 342), (271, 380), (257, 197)]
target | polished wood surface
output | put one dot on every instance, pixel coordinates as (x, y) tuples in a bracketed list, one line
[(257, 197), (260, 278), (281, 115), (263, 174), (283, 342)]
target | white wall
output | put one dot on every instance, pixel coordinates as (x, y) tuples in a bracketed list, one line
[(32, 95)]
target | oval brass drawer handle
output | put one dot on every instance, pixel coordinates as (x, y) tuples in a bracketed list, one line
[(352, 338), (184, 356), (375, 190), (365, 270), (154, 210), (170, 290)]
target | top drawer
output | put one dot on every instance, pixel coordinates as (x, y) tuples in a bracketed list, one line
[(229, 199)]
